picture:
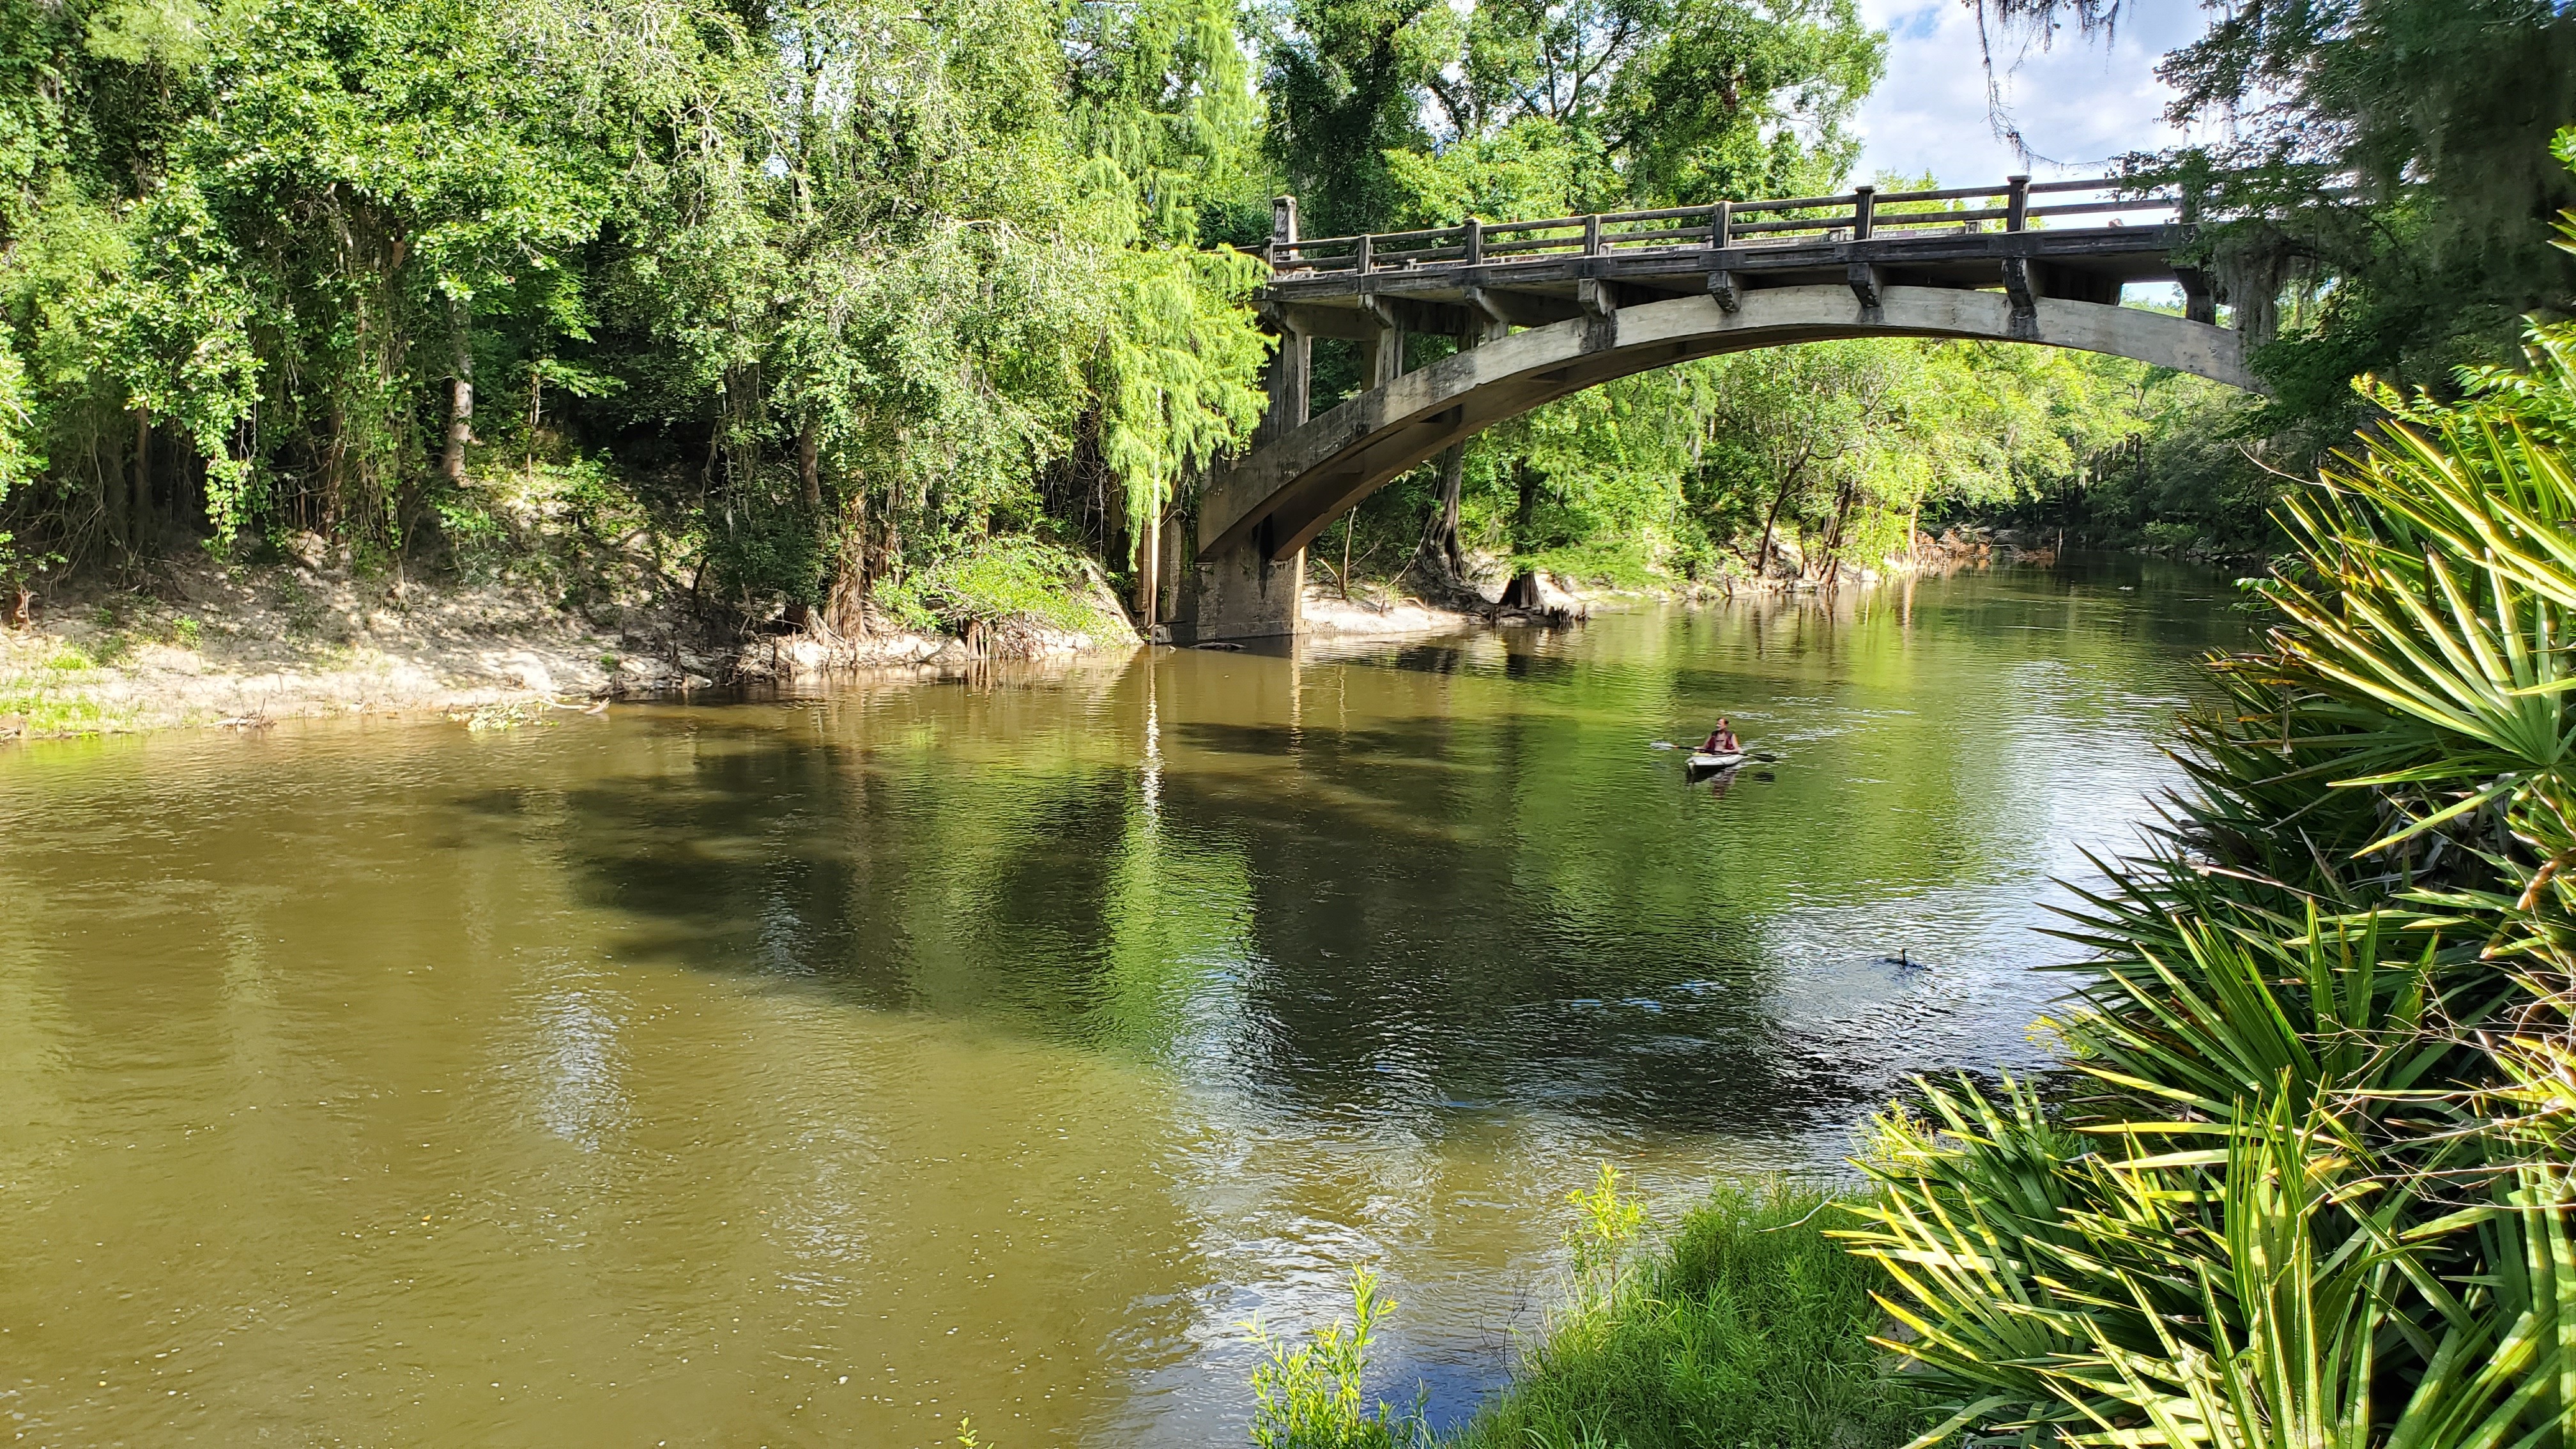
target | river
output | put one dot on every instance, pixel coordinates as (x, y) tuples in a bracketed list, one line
[(818, 1071)]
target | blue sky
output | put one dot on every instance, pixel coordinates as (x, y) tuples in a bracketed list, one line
[(2080, 101)]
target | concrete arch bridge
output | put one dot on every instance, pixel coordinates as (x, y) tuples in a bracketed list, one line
[(1543, 309)]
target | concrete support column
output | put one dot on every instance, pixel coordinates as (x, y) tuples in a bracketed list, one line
[(1291, 379), (1381, 359), (1381, 356), (1240, 593)]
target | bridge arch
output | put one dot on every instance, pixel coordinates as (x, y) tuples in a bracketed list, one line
[(1275, 499), (1608, 296)]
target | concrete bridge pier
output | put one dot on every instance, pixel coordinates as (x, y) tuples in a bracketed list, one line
[(1241, 592)]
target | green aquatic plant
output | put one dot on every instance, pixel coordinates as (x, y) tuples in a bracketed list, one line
[(1605, 1239), (1310, 1395)]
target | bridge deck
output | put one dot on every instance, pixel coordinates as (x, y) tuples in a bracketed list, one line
[(1456, 280), (1545, 309)]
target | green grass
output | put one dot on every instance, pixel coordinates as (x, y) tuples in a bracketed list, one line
[(993, 580), (1747, 1327), (29, 706), (42, 695), (1620, 563)]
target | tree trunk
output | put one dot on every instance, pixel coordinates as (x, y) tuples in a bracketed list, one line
[(809, 467), (1149, 558), (113, 483), (846, 611), (889, 555), (1522, 591), (1440, 550), (1771, 527), (143, 530), (1174, 541), (460, 399), (1826, 567), (536, 410)]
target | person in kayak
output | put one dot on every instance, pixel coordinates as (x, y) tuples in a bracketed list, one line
[(1722, 740)]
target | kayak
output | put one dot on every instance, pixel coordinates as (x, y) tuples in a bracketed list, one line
[(1699, 761)]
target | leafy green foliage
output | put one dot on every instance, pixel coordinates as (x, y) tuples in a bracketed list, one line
[(990, 581), (1310, 1396), (18, 459), (1161, 91), (830, 282), (1179, 381), (2319, 1192), (2385, 189)]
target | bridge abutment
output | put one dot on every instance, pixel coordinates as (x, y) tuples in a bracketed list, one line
[(1241, 592)]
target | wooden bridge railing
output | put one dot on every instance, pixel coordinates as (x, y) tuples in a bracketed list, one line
[(1857, 215)]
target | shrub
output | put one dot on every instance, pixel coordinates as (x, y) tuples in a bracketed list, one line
[(2320, 1190), (1309, 1396), (993, 579)]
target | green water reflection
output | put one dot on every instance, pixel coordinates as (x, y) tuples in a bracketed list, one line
[(818, 1070)]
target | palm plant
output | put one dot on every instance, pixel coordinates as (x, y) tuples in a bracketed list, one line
[(2319, 1187)]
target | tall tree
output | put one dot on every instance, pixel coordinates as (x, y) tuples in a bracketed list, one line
[(2390, 158), (1347, 82)]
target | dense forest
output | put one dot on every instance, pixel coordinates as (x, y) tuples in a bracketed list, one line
[(824, 311)]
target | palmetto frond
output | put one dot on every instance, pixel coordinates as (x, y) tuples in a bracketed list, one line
[(2318, 1190)]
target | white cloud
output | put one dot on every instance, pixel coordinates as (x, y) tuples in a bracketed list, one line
[(2080, 102)]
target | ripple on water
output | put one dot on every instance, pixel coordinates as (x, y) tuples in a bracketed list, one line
[(822, 1070)]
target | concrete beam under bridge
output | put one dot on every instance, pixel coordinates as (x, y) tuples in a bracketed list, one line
[(1256, 517), (1308, 476)]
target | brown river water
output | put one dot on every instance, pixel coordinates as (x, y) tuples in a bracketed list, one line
[(821, 1070)]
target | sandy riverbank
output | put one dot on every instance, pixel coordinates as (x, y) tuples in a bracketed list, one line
[(193, 644), (197, 645)]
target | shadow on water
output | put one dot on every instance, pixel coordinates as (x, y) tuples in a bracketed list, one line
[(1396, 881), (1376, 970), (1436, 896), (1079, 1013)]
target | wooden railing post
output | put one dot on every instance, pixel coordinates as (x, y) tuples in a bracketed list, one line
[(1361, 259), (2016, 203), (1592, 235), (1864, 211), (1721, 235), (1283, 231), (1475, 245)]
